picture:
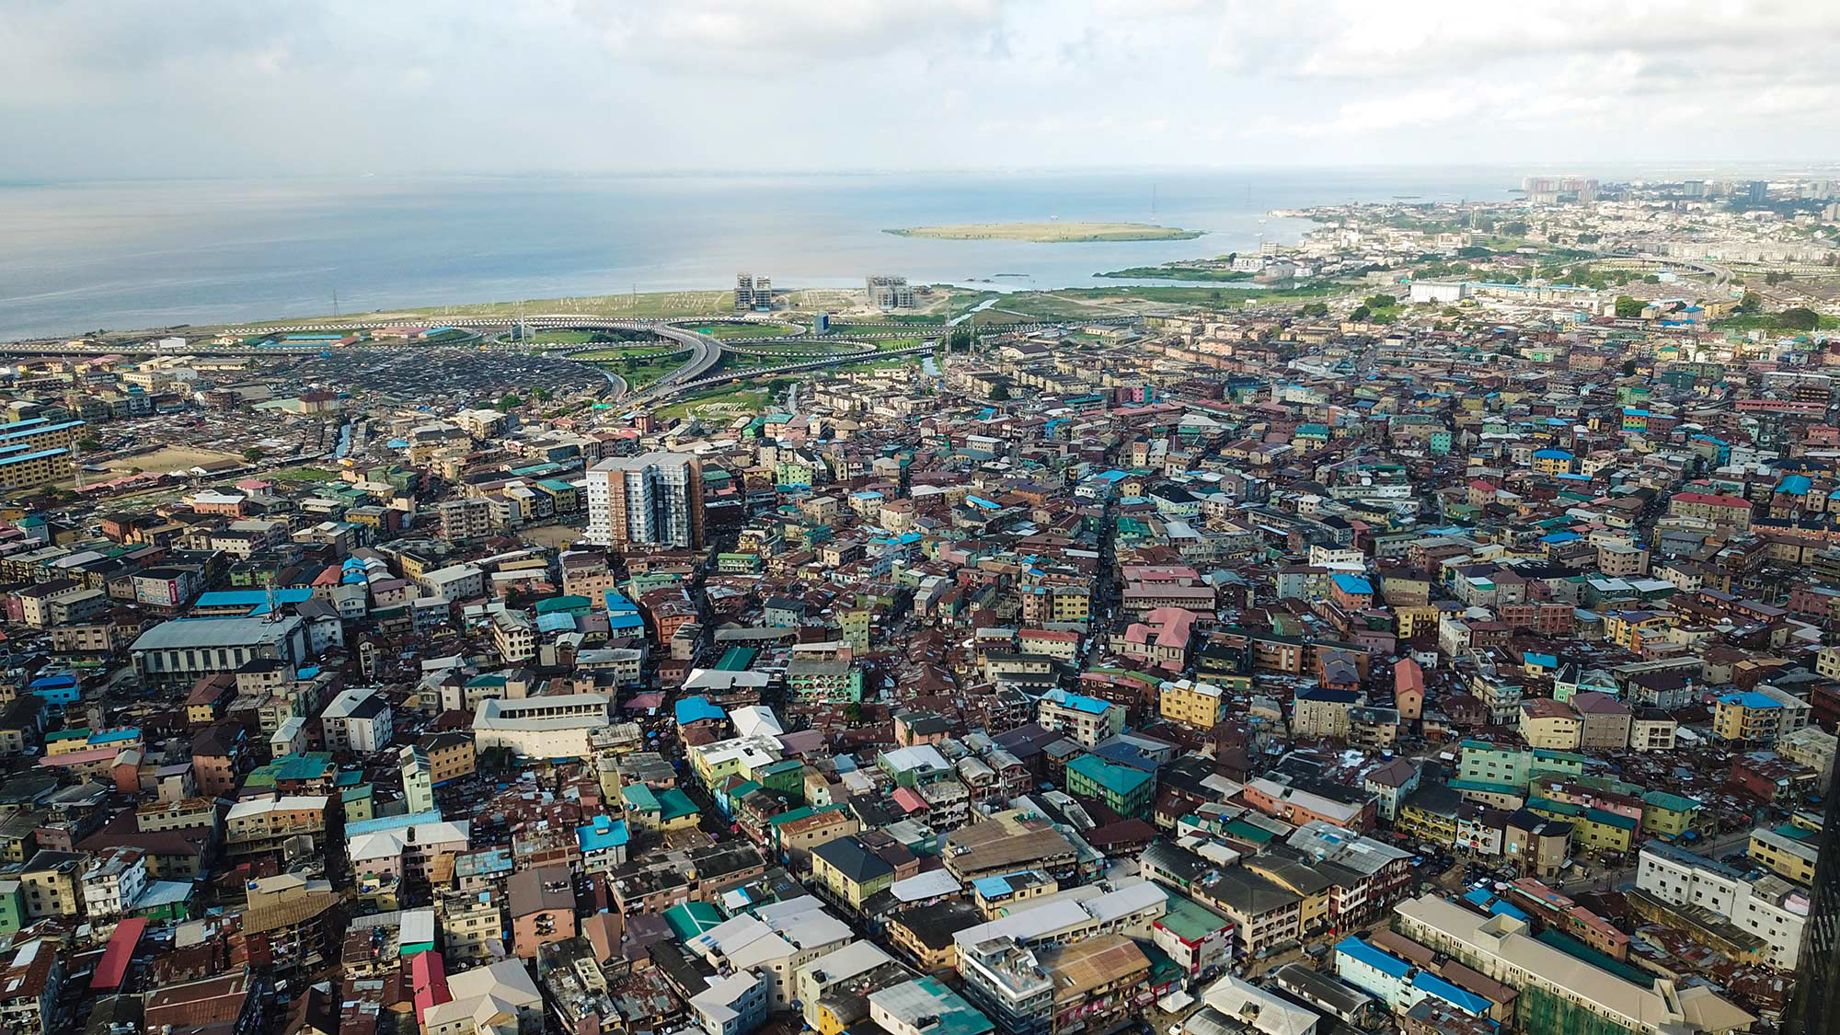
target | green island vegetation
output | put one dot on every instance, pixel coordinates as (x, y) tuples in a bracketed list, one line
[(1376, 309), (578, 336), (729, 331), (1216, 270), (1798, 318), (1050, 232)]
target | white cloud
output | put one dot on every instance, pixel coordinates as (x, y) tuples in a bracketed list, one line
[(120, 87)]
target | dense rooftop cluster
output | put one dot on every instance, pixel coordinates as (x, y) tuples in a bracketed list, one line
[(1432, 668)]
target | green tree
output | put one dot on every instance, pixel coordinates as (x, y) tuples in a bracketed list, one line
[(999, 392), (1751, 302), (1628, 308), (509, 401), (1801, 318), (1314, 309), (1360, 314), (89, 443), (540, 394), (1514, 228), (1629, 367), (252, 454), (1776, 277), (1381, 301)]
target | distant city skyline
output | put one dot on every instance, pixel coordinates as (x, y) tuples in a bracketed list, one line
[(104, 89)]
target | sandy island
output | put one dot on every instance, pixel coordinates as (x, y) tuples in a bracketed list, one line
[(1051, 232)]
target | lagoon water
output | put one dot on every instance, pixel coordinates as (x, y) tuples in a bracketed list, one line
[(120, 255)]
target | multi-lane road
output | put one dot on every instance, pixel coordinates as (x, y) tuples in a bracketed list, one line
[(704, 352)]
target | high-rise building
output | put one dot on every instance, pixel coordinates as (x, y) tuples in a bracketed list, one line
[(655, 499), (890, 292), (1815, 1005), (753, 291)]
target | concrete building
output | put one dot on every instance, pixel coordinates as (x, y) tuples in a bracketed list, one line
[(549, 726), (497, 999), (651, 500), (1087, 720), (1766, 907), (186, 649), (358, 720), (1560, 992)]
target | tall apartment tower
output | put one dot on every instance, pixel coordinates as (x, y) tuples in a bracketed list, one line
[(655, 500), (1814, 1004)]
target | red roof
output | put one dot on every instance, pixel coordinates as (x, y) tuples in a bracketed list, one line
[(909, 800), (118, 955), (1712, 500), (428, 973), (1408, 675)]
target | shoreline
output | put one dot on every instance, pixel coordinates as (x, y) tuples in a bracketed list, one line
[(1052, 232)]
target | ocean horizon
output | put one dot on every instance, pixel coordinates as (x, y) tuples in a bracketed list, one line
[(129, 255)]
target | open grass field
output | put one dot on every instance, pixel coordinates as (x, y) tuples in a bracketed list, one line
[(1050, 232), (731, 331), (640, 371), (560, 337), (725, 402), (637, 350)]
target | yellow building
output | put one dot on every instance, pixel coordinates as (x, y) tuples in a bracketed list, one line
[(924, 933), (1194, 704), (1789, 857), (1413, 620), (1752, 717), (1430, 818), (48, 884), (1631, 630), (36, 451), (1310, 886), (1667, 815), (850, 871), (1547, 724)]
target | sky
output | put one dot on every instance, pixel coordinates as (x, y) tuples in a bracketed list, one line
[(108, 89)]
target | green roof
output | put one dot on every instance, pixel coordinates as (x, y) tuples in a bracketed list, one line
[(675, 804), (1485, 787), (689, 919), (1610, 819), (1241, 828), (1549, 755), (311, 766), (1561, 808), (639, 798), (1578, 950), (794, 815), (1111, 777), (1669, 802), (1189, 920)]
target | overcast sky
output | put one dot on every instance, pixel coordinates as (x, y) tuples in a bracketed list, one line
[(200, 87)]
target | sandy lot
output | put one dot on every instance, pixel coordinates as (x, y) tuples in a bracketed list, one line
[(167, 459)]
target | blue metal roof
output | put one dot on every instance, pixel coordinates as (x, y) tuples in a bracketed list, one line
[(1352, 584), (603, 833), (1462, 999), (1361, 952), (696, 709)]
